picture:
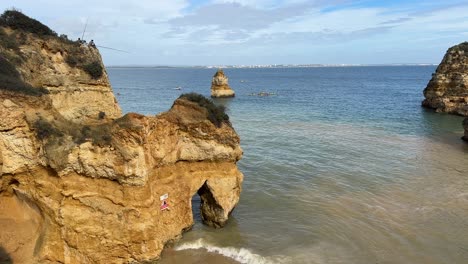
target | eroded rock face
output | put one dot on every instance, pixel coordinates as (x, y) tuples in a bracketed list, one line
[(447, 91), (220, 86), (79, 189), (101, 203)]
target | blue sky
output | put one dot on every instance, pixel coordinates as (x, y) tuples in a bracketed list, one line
[(246, 32)]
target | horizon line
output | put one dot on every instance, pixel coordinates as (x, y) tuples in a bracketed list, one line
[(312, 65)]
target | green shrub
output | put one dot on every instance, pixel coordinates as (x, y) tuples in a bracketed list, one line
[(216, 114), (13, 58), (44, 129), (17, 20), (10, 80), (75, 57), (21, 38), (463, 46), (72, 61), (8, 41), (6, 68), (94, 69), (98, 135)]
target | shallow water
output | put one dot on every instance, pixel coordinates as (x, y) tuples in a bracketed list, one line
[(341, 166)]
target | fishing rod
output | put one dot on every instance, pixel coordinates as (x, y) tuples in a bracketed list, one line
[(86, 25), (112, 49), (82, 37)]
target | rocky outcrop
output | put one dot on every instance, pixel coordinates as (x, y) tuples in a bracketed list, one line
[(62, 68), (447, 91), (220, 86), (78, 188)]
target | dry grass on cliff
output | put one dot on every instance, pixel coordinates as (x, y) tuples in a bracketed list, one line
[(215, 113), (58, 130), (8, 41), (10, 80), (59, 136)]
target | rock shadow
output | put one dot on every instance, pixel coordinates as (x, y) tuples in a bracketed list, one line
[(5, 258)]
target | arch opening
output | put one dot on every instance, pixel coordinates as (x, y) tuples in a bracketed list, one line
[(196, 209)]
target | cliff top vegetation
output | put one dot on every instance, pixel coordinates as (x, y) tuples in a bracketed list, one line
[(14, 19), (463, 46), (216, 113), (17, 30)]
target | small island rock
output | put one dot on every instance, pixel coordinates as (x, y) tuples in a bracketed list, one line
[(447, 91), (220, 86)]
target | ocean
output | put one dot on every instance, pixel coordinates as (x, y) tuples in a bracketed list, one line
[(341, 165)]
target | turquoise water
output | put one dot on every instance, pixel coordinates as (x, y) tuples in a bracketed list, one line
[(342, 165)]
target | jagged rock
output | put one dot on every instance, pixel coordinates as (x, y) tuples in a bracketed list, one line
[(75, 188), (220, 86), (447, 91)]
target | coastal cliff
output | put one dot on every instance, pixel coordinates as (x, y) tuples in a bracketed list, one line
[(220, 86), (79, 182), (447, 91), (72, 74)]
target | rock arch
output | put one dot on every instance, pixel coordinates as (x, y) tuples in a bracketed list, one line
[(212, 213), (216, 202)]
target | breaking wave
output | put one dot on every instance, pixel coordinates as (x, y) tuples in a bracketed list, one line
[(241, 255)]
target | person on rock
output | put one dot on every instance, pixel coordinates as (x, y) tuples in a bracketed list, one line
[(91, 44)]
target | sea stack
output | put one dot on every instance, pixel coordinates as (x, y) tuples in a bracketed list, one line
[(220, 86), (82, 183), (447, 91)]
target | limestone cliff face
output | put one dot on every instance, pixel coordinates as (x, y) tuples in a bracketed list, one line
[(53, 63), (79, 189), (447, 91), (220, 86)]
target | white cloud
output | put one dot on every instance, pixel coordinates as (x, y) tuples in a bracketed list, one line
[(272, 4), (262, 4), (178, 32)]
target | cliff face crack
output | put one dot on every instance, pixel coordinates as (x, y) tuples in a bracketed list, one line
[(10, 129)]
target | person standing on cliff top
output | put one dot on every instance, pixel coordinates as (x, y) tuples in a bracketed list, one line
[(91, 44)]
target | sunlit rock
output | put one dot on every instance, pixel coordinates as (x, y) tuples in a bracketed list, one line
[(220, 86)]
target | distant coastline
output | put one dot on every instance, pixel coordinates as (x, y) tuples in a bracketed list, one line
[(269, 66)]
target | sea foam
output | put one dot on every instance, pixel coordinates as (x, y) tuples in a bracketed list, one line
[(241, 255)]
